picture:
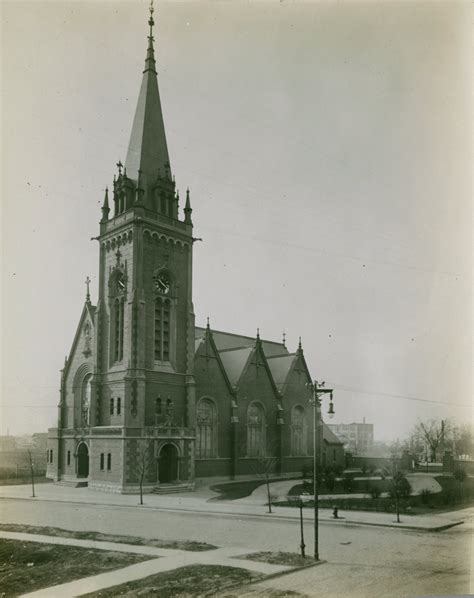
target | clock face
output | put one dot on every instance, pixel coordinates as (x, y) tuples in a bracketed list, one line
[(162, 284)]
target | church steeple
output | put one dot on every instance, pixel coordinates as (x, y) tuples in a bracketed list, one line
[(147, 149)]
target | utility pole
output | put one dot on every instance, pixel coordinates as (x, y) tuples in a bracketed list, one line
[(317, 390)]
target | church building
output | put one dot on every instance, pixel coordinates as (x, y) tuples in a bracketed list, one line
[(146, 396)]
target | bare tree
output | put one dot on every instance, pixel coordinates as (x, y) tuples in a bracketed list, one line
[(434, 434), (399, 486), (144, 459), (264, 467)]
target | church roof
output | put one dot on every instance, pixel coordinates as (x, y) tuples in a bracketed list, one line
[(147, 149), (329, 436), (228, 340), (234, 362), (280, 366)]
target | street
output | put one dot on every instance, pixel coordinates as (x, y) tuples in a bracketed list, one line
[(361, 560)]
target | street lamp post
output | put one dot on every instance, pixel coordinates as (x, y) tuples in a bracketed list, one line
[(317, 390)]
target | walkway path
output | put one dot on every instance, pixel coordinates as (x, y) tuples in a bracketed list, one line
[(166, 560)]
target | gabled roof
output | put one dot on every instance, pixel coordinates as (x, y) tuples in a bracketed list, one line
[(234, 362), (228, 340), (280, 367), (329, 436), (87, 310)]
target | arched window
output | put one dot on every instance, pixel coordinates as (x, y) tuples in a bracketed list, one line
[(206, 429), (86, 401), (298, 431), (255, 431), (162, 329), (118, 328)]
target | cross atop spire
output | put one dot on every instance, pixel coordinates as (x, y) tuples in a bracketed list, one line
[(150, 55)]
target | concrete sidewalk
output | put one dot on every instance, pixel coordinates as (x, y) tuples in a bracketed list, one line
[(166, 560), (192, 503)]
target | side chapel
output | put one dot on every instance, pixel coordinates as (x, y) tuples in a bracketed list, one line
[(145, 391)]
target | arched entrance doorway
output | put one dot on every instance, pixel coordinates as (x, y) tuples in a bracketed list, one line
[(82, 461), (168, 464)]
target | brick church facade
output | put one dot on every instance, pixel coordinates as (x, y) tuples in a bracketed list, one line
[(144, 392)]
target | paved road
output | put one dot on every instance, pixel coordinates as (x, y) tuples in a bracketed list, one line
[(363, 561)]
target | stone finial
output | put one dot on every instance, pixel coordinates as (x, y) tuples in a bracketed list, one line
[(88, 295)]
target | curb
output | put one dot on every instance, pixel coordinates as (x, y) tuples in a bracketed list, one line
[(435, 528), (402, 526)]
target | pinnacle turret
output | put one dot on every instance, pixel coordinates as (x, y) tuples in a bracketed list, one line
[(105, 206), (187, 209)]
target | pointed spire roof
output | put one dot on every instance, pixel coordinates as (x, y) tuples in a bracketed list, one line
[(147, 149)]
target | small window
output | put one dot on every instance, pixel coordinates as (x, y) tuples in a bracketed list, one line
[(334, 454), (111, 406), (102, 460), (69, 457), (109, 461), (119, 405), (51, 456), (158, 406)]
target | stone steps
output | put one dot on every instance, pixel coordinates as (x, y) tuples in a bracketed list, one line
[(73, 484), (173, 488)]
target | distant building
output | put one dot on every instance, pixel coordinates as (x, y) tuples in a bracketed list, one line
[(358, 438)]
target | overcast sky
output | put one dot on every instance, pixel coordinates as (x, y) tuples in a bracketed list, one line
[(327, 149)]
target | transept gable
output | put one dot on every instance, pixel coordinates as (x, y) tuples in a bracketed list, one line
[(254, 367), (291, 375), (206, 350), (83, 338)]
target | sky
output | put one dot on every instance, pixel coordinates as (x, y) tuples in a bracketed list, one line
[(327, 147)]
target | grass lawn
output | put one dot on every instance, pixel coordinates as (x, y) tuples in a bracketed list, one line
[(194, 580), (57, 531), (29, 566)]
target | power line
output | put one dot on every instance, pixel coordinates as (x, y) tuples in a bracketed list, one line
[(396, 396)]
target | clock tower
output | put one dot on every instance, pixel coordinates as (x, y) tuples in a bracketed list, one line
[(143, 383)]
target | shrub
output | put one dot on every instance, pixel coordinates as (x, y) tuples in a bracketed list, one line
[(374, 491), (449, 496), (348, 483), (425, 495), (363, 466), (459, 474), (330, 480)]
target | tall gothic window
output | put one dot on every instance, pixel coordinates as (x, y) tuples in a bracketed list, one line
[(117, 309), (162, 329), (118, 328), (255, 431), (86, 401), (206, 429), (298, 431)]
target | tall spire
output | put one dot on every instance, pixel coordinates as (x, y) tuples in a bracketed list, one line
[(147, 149)]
